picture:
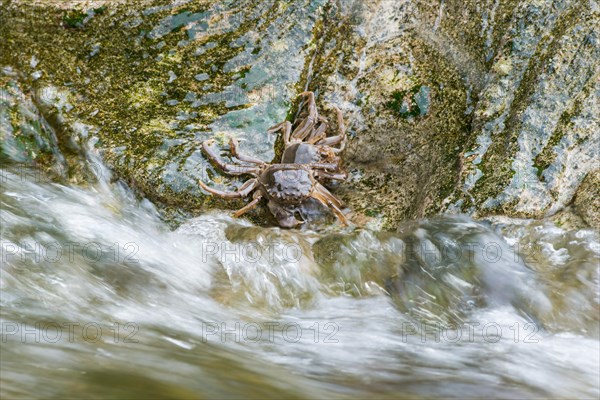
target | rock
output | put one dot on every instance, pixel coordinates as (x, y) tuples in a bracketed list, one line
[(156, 78), (478, 107), (587, 200), (536, 121), (405, 103), (26, 137)]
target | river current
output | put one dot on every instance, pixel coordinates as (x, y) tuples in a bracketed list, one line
[(101, 298)]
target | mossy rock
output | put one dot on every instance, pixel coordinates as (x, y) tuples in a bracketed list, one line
[(472, 107), (508, 123)]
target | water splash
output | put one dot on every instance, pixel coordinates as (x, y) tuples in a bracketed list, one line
[(440, 306)]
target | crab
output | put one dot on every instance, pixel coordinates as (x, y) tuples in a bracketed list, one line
[(308, 143), (287, 187)]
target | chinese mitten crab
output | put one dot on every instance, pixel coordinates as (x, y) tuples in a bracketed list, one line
[(308, 160), (284, 186)]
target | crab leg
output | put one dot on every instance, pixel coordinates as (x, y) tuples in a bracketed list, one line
[(277, 127), (243, 191), (327, 199), (339, 139), (338, 177), (233, 144), (231, 169), (285, 218), (287, 130), (248, 206), (317, 134), (332, 141), (322, 166), (323, 190), (307, 125)]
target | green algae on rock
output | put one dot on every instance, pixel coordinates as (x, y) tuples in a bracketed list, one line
[(536, 123), (132, 71)]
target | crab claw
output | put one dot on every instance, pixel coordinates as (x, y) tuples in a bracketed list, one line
[(289, 222), (284, 218)]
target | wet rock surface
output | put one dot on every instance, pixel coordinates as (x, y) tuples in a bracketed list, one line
[(484, 107), (479, 107), (587, 200), (156, 78)]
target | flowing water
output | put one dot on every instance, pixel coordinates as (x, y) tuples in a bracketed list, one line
[(100, 298)]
